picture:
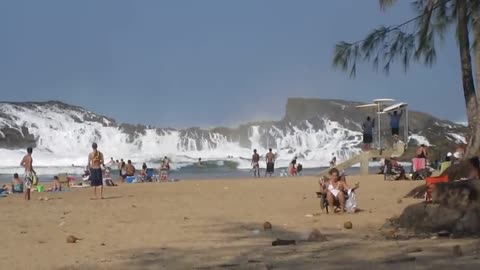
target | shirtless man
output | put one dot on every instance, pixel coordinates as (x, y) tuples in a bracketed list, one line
[(95, 163), (27, 163), (270, 158), (255, 165), (130, 169)]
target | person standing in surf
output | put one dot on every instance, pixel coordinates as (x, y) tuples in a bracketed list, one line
[(95, 163), (270, 158), (255, 165), (27, 163)]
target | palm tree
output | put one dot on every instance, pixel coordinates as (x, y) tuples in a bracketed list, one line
[(385, 45)]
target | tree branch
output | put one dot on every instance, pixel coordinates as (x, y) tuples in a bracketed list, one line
[(386, 44)]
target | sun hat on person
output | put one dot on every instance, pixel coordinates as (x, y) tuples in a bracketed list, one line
[(449, 154)]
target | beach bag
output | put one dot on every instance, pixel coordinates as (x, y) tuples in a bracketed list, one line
[(351, 203), (34, 179)]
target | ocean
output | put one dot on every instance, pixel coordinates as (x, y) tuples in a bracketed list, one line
[(209, 170)]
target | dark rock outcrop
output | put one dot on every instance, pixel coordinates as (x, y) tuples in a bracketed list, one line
[(455, 208)]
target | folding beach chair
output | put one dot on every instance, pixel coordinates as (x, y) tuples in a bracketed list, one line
[(431, 183), (150, 176), (322, 195)]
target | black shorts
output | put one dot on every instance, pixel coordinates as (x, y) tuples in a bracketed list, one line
[(367, 138), (96, 178), (395, 131), (270, 167)]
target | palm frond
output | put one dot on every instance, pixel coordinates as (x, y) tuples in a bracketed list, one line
[(384, 4), (385, 45)]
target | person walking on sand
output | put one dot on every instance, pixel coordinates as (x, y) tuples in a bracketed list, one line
[(27, 163), (95, 163), (368, 127), (255, 165), (270, 158), (395, 122)]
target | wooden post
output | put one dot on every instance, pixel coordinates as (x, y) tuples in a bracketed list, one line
[(364, 160)]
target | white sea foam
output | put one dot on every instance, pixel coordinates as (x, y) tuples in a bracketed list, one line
[(64, 137), (419, 139), (457, 138)]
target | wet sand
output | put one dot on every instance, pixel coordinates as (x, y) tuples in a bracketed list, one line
[(216, 224)]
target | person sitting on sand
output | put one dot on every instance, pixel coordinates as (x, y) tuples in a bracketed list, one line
[(398, 146), (299, 169), (56, 184), (336, 189), (447, 163), (17, 184), (398, 168), (143, 173)]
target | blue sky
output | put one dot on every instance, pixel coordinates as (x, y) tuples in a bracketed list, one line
[(203, 63)]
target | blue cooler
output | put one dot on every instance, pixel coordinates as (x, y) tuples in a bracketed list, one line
[(130, 179)]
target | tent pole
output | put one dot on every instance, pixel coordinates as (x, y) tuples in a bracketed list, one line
[(406, 127), (379, 128)]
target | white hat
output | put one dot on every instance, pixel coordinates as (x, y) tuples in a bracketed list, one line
[(457, 155), (449, 154)]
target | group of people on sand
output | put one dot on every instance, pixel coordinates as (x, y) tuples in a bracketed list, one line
[(270, 163), (94, 174), (127, 169), (452, 158), (24, 185), (294, 168)]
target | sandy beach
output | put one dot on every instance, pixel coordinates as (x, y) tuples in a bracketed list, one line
[(216, 224)]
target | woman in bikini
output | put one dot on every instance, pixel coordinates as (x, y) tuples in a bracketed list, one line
[(336, 188)]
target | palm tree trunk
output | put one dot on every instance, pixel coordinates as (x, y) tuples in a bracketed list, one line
[(471, 103), (475, 149)]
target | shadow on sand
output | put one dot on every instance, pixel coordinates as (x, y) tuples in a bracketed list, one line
[(248, 246)]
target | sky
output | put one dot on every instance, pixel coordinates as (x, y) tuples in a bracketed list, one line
[(182, 63)]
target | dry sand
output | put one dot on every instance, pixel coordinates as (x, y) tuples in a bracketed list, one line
[(215, 225)]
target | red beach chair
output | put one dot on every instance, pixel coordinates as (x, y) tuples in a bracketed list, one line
[(431, 182)]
